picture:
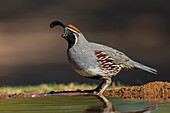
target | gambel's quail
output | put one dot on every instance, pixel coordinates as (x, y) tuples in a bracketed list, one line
[(94, 60)]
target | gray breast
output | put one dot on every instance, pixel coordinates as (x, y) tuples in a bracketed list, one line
[(82, 59)]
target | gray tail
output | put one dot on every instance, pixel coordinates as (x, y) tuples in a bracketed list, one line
[(138, 66)]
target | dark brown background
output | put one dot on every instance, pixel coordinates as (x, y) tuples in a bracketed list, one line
[(32, 53)]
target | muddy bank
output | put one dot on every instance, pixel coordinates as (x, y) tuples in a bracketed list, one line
[(152, 92)]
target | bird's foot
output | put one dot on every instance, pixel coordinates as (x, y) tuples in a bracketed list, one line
[(94, 91), (98, 93)]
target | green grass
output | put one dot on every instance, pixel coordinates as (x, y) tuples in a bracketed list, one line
[(45, 88)]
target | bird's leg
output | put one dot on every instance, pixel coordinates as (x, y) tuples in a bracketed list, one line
[(100, 85), (97, 89), (107, 83)]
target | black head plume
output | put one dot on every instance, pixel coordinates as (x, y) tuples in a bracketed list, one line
[(55, 23)]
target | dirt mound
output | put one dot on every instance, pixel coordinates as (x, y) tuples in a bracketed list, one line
[(152, 92)]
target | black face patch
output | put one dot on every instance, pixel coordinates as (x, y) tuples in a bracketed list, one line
[(70, 39)]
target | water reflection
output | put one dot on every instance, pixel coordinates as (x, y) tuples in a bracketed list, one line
[(80, 102), (108, 107)]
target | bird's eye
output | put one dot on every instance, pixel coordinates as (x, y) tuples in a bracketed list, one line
[(70, 33)]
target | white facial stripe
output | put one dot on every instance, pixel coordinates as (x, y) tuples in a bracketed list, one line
[(75, 38), (71, 30)]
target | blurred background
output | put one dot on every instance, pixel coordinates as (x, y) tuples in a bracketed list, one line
[(31, 53)]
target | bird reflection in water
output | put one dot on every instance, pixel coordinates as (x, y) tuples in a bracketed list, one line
[(109, 108)]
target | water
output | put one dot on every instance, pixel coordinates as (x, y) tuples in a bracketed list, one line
[(80, 104)]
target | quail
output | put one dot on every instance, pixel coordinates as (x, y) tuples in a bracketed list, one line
[(94, 60)]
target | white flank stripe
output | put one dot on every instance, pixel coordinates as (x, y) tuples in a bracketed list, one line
[(105, 57)]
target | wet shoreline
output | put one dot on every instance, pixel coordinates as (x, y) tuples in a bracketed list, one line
[(155, 92)]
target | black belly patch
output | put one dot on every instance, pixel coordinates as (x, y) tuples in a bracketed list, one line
[(98, 77)]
